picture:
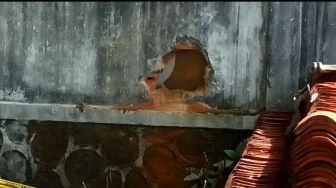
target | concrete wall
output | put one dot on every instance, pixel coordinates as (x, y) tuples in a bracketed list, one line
[(56, 155), (96, 52)]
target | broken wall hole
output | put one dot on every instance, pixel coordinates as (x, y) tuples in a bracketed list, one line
[(185, 68)]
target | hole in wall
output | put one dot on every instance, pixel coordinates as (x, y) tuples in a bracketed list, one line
[(183, 73), (184, 68)]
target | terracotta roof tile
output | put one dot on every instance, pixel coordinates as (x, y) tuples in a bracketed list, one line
[(264, 157), (313, 152), (312, 155)]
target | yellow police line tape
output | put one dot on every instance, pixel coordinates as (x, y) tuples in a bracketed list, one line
[(10, 184)]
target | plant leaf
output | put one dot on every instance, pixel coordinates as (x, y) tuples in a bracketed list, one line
[(213, 182), (191, 177), (202, 171), (232, 154), (194, 186), (228, 163), (193, 170), (212, 173), (221, 166), (241, 147)]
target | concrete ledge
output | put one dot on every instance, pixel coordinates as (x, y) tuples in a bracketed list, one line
[(104, 114)]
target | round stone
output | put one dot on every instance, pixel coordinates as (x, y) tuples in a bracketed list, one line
[(192, 143), (50, 143), (1, 140), (47, 178), (83, 166), (161, 135), (135, 179), (120, 147), (16, 131), (110, 179), (159, 162), (18, 167), (84, 134)]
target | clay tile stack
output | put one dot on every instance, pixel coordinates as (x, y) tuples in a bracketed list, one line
[(263, 159), (313, 153)]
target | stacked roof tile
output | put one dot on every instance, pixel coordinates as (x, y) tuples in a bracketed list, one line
[(263, 159), (313, 153)]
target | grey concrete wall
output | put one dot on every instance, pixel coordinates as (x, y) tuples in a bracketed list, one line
[(95, 53)]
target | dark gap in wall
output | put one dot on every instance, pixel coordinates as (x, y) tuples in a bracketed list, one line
[(183, 68), (182, 73)]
